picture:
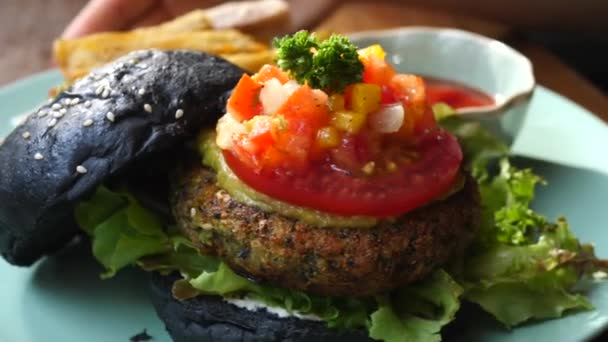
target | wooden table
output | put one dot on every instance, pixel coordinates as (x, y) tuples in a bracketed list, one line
[(29, 27)]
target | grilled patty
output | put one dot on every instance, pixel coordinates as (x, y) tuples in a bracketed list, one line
[(285, 252)]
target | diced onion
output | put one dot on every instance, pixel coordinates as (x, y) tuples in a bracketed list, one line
[(291, 86), (272, 96), (227, 127), (388, 119)]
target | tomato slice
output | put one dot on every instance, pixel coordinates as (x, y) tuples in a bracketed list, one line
[(324, 188)]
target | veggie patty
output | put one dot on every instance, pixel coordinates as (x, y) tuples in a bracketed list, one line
[(269, 247)]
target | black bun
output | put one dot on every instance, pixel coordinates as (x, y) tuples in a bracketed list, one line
[(210, 318), (139, 105)]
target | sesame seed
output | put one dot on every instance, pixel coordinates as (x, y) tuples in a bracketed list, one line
[(192, 212), (97, 77), (141, 91), (66, 101), (99, 90), (52, 123), (56, 106), (26, 135), (63, 111), (50, 100), (87, 122), (106, 93), (75, 101), (38, 156), (110, 116), (148, 108), (368, 168), (87, 104), (57, 114), (179, 113), (42, 113), (143, 65), (81, 169)]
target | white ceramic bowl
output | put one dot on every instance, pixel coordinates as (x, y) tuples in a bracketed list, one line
[(467, 58)]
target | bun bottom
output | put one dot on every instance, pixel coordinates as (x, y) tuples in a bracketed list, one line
[(210, 318)]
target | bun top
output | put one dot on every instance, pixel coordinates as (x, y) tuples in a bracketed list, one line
[(141, 104)]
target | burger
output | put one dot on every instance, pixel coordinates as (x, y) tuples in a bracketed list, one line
[(316, 199)]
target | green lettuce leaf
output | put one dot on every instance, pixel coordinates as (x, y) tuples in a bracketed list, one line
[(417, 312), (121, 230), (534, 281), (521, 266)]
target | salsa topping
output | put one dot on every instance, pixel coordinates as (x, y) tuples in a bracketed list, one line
[(372, 148)]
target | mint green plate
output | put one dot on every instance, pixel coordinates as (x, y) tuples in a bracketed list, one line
[(62, 299)]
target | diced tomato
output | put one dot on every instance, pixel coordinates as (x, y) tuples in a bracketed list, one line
[(411, 90), (376, 70), (244, 102), (246, 152), (268, 72), (273, 158), (427, 121), (306, 104), (296, 145), (387, 96), (261, 132), (345, 157), (348, 96)]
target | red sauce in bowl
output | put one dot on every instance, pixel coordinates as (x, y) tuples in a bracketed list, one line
[(454, 94)]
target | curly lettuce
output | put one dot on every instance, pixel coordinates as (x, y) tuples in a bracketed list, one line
[(521, 266)]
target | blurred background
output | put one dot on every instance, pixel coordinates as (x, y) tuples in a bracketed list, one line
[(569, 61)]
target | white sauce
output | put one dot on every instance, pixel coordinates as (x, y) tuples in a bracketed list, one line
[(256, 305)]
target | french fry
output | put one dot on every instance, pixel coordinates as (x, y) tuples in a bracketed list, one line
[(210, 30), (196, 20), (77, 57)]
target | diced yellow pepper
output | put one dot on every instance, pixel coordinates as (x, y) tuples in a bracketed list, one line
[(336, 102), (348, 121), (328, 137), (365, 98), (375, 50)]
